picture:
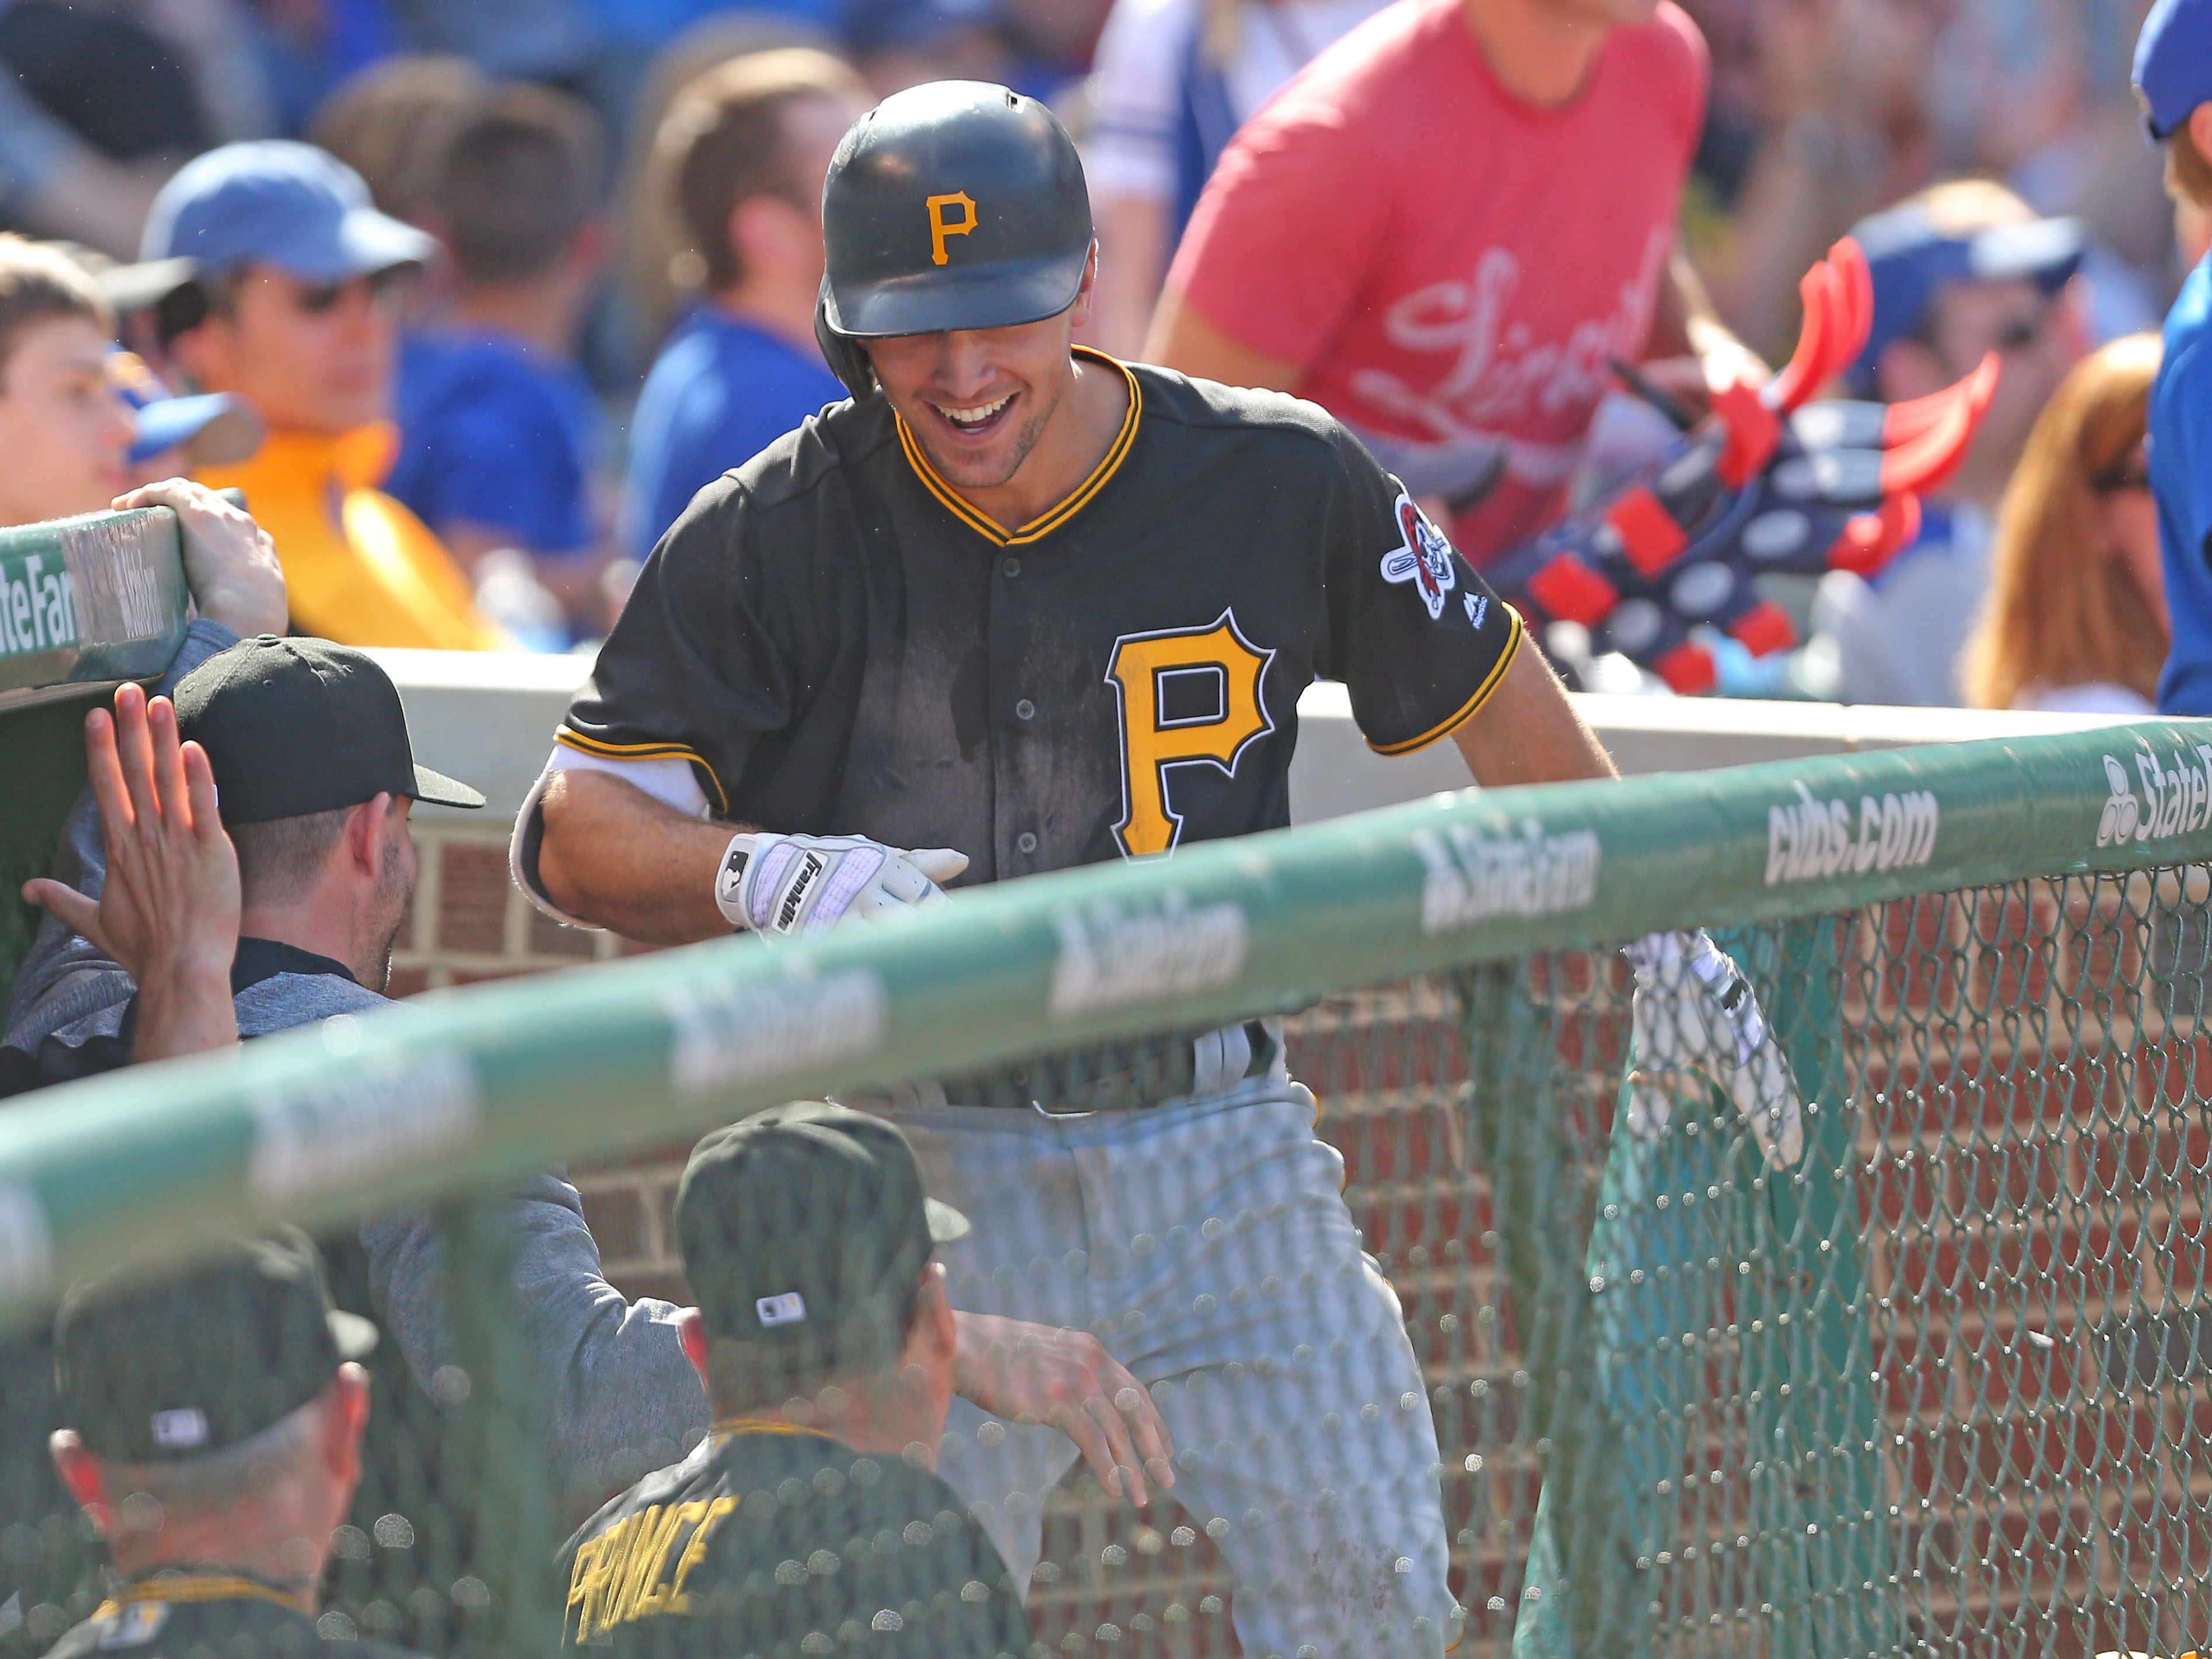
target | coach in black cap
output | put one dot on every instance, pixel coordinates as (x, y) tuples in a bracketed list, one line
[(298, 727), (314, 778), (826, 1343), (213, 1424)]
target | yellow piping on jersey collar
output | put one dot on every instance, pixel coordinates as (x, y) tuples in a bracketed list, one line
[(1049, 522), (195, 1589), (764, 1425)]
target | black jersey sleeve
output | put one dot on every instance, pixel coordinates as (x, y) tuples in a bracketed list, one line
[(1415, 634), (699, 667)]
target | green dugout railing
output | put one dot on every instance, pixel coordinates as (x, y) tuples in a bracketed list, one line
[(472, 1087), (84, 603)]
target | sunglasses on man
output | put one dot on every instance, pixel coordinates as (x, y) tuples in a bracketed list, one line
[(325, 296)]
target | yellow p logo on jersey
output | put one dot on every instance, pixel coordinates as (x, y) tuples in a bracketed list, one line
[(1189, 695), (941, 227)]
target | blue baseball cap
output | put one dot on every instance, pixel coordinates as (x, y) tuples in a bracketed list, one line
[(874, 26), (222, 430), (1911, 257), (2173, 63), (279, 202)]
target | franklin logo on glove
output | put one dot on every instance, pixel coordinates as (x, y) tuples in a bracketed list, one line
[(809, 884)]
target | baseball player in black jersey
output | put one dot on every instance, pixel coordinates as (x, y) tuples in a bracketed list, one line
[(225, 1405), (1018, 607), (807, 1521)]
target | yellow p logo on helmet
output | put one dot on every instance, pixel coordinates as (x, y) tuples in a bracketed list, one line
[(941, 226)]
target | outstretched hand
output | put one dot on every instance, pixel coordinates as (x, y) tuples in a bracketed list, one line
[(230, 563), (168, 911), (1028, 1373)]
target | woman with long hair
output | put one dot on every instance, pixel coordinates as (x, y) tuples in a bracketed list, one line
[(2075, 619)]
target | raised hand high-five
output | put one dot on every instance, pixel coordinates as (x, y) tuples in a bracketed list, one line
[(168, 910)]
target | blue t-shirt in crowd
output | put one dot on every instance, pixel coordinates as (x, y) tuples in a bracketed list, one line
[(2181, 480), (721, 391), (492, 433)]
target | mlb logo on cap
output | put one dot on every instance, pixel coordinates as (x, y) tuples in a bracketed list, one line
[(786, 1310), (180, 1429)]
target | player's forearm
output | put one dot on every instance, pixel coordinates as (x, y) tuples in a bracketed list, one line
[(1183, 340), (617, 858), (183, 1008), (1530, 731)]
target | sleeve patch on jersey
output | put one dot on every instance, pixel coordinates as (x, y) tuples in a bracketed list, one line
[(1422, 557)]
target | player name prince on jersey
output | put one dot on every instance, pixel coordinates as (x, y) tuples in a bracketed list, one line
[(839, 644), (773, 1540)]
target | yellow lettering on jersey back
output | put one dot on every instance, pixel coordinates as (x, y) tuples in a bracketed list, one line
[(694, 1552), (587, 1577), (653, 1595), (631, 1581), (620, 1575), (940, 227), (1232, 711)]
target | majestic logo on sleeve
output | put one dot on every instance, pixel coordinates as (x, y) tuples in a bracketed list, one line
[(941, 226), (1190, 697), (1423, 557)]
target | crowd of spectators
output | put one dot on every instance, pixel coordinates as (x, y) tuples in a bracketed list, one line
[(549, 265)]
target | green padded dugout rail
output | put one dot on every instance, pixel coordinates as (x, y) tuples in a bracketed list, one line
[(85, 604), (478, 1084)]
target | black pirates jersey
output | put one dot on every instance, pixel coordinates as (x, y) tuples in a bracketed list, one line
[(839, 644), (212, 1613), (774, 1540)]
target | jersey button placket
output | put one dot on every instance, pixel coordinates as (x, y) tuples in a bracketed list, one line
[(1014, 603)]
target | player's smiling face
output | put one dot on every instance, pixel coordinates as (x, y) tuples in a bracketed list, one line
[(978, 400), (981, 401)]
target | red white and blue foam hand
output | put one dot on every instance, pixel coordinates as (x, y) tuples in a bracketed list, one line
[(1769, 481)]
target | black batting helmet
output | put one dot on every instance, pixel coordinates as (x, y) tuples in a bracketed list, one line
[(954, 204)]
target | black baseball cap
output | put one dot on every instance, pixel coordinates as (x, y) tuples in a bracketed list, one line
[(161, 1369), (802, 1228), (296, 726)]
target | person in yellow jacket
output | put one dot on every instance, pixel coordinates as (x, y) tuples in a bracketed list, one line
[(287, 302)]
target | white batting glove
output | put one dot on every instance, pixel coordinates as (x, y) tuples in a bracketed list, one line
[(809, 884), (1694, 1015)]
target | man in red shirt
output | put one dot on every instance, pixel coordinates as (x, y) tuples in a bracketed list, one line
[(1445, 229)]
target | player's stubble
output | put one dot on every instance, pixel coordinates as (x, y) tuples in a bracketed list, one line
[(990, 471)]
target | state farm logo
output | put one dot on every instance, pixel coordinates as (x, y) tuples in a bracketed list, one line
[(27, 1244), (37, 610), (1471, 877), (360, 1120), (1811, 839), (725, 1036), (2176, 799), (1109, 957)]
